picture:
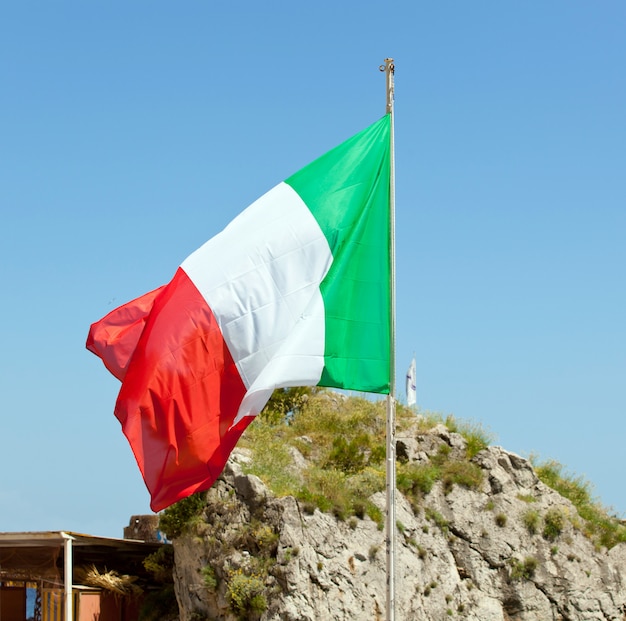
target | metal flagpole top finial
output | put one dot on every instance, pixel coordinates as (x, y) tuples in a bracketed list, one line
[(388, 65), (389, 68)]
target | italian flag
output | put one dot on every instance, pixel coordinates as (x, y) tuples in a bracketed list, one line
[(294, 292)]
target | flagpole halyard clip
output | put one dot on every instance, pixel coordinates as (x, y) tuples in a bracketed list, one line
[(391, 66)]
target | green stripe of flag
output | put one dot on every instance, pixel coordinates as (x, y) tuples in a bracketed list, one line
[(347, 191)]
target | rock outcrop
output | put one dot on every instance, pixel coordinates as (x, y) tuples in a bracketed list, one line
[(507, 549)]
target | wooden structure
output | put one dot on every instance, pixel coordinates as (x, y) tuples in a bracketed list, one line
[(42, 576)]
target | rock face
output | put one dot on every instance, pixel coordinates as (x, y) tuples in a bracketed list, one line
[(509, 549)]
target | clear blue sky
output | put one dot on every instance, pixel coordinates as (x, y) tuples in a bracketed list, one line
[(131, 132)]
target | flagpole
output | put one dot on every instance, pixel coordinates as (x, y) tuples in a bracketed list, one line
[(389, 69)]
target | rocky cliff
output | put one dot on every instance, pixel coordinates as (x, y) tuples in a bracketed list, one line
[(497, 546)]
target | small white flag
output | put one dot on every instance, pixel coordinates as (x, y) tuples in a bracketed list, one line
[(411, 392)]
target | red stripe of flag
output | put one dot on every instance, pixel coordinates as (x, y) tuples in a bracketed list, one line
[(181, 389)]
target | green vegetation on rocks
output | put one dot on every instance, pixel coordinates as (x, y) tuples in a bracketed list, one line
[(597, 523), (328, 451)]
